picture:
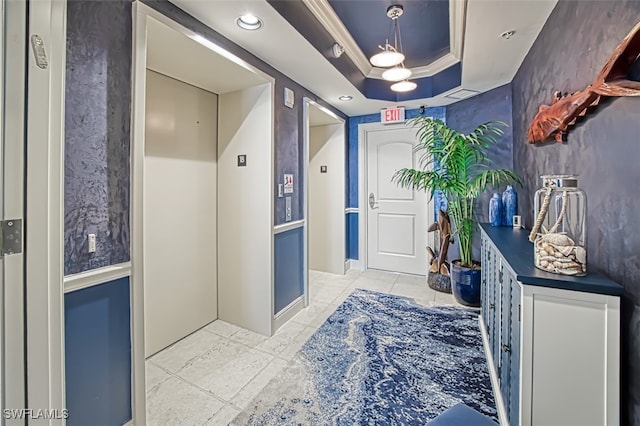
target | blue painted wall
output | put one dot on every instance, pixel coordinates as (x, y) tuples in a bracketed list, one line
[(97, 121), (289, 285), (603, 149), (352, 175), (98, 354), (352, 235), (464, 116)]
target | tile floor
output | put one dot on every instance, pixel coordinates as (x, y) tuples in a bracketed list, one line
[(208, 377)]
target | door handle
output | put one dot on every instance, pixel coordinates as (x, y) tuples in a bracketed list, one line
[(372, 201)]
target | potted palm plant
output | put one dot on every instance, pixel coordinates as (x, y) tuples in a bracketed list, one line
[(457, 165)]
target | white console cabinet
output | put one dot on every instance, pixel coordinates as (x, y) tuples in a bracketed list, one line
[(552, 341)]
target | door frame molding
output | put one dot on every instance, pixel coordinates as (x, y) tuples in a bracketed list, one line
[(44, 198), (363, 130), (141, 13), (363, 212), (306, 127)]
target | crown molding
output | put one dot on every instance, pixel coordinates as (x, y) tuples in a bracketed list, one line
[(325, 14), (327, 17), (457, 15)]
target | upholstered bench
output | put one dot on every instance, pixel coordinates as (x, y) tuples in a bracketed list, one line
[(462, 415)]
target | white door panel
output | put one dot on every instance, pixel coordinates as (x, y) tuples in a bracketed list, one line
[(391, 156), (402, 241), (397, 217), (180, 268)]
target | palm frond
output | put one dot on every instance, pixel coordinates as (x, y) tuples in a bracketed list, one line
[(457, 165)]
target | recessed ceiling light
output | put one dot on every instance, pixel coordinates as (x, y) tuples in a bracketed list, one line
[(249, 22), (345, 98)]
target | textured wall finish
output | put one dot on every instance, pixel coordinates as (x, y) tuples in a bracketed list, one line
[(97, 120), (464, 116), (288, 153), (573, 46)]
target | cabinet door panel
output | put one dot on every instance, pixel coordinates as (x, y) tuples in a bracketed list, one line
[(514, 366), (483, 291), (505, 331)]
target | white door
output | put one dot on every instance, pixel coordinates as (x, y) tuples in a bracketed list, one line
[(180, 241), (396, 217), (12, 330)]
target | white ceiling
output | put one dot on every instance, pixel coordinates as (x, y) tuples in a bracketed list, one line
[(192, 62), (488, 61)]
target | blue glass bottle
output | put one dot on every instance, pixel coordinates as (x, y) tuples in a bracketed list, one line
[(509, 205), (495, 210)]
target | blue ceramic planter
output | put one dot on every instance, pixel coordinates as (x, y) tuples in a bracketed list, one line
[(465, 285)]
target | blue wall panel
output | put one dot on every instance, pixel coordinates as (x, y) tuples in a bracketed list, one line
[(352, 235), (98, 354), (289, 273)]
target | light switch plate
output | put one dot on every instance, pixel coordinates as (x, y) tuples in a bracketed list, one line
[(91, 240)]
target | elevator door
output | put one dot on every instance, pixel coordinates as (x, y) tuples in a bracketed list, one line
[(180, 168)]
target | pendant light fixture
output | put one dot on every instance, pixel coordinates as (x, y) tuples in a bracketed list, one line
[(392, 57), (396, 73), (403, 86)]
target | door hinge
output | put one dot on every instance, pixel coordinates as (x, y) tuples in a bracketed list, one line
[(10, 237)]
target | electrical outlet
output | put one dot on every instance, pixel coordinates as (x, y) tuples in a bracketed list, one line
[(92, 243)]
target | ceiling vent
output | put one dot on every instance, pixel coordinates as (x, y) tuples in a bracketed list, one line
[(461, 94)]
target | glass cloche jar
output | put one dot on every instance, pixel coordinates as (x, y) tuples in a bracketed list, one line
[(559, 233)]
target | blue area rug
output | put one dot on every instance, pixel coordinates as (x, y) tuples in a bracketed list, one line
[(380, 359)]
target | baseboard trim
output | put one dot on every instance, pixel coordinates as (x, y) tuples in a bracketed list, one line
[(287, 313), (495, 381), (353, 264)]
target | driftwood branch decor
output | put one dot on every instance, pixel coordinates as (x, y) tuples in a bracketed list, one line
[(439, 259), (553, 121)]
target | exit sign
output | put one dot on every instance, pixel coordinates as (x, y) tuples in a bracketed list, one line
[(392, 115)]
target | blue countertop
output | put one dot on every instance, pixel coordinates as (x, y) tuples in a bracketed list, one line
[(514, 246)]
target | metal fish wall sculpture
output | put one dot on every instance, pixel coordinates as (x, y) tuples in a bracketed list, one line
[(554, 121)]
